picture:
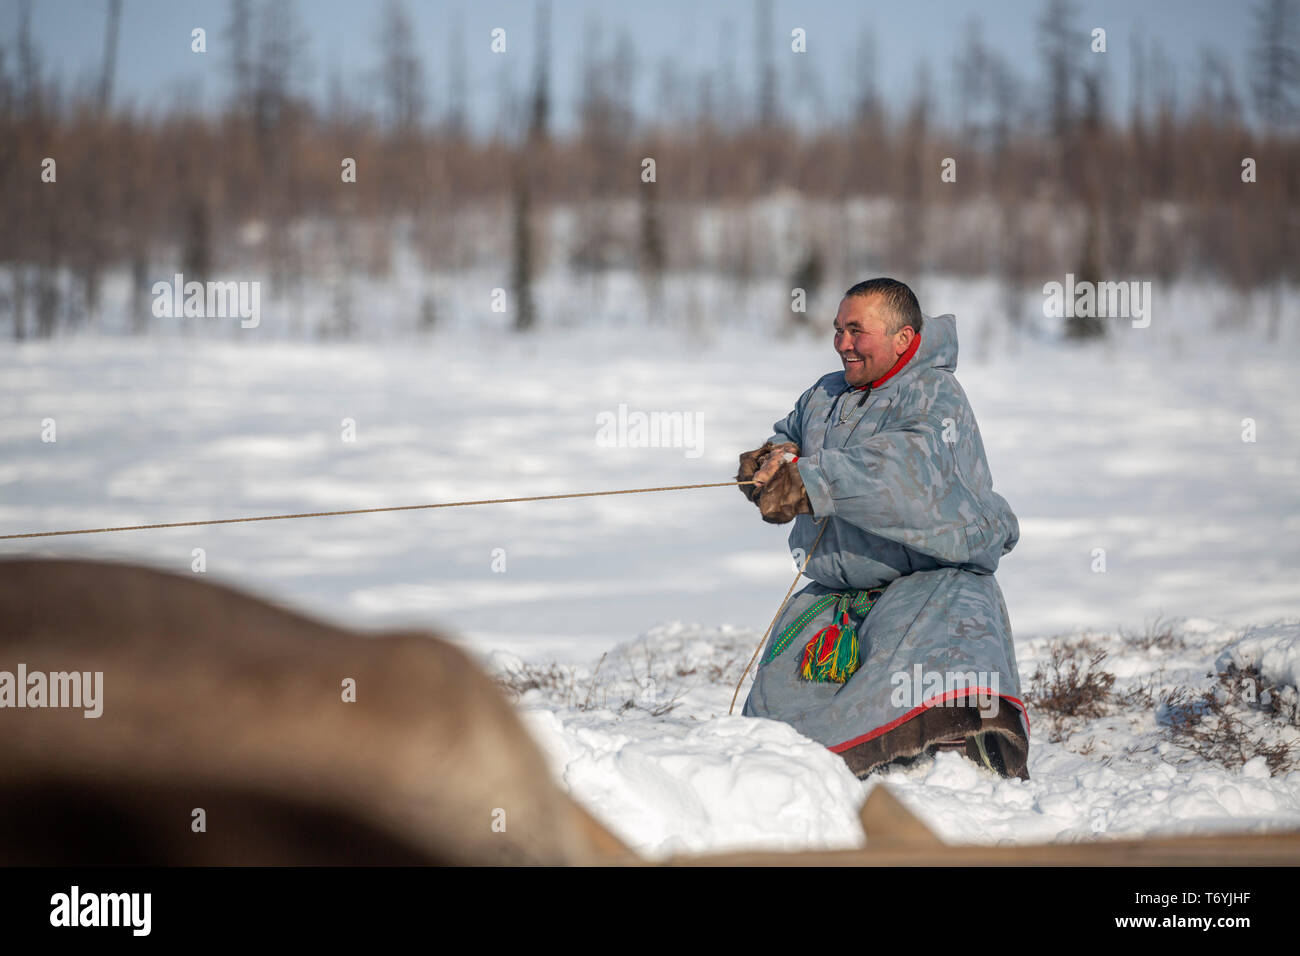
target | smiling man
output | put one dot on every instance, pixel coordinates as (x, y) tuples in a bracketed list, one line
[(901, 645)]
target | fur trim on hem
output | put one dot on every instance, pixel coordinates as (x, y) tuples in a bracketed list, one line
[(1007, 743)]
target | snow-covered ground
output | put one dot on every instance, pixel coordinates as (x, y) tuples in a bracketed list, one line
[(1134, 447), (644, 739)]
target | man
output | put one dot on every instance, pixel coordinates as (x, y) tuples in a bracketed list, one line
[(901, 645)]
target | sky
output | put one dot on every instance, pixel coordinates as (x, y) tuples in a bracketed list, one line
[(156, 67)]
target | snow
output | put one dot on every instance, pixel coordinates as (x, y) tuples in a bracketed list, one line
[(1134, 447), (1274, 650), (669, 787), (645, 741), (694, 779)]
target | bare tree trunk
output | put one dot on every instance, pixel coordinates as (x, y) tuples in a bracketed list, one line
[(20, 301), (141, 307), (110, 55), (652, 248), (1275, 312), (522, 263), (47, 301)]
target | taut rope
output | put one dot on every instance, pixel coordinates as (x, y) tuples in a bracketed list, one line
[(797, 576), (452, 504), (364, 511)]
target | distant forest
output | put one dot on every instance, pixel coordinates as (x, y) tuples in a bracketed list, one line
[(1200, 177)]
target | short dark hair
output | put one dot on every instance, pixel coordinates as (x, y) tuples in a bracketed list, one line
[(900, 299)]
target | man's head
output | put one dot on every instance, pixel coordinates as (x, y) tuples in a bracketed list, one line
[(876, 322)]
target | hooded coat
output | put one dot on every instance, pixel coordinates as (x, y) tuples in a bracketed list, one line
[(896, 472)]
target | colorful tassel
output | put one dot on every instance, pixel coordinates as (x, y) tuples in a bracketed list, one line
[(832, 653)]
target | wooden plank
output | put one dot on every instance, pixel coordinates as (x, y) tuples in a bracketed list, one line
[(1254, 849), (888, 823)]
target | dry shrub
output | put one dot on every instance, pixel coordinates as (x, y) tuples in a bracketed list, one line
[(1071, 684), (1160, 635), (1205, 724)]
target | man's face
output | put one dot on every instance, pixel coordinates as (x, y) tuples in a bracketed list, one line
[(862, 338)]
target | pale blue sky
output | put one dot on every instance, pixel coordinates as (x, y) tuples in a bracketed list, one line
[(155, 65)]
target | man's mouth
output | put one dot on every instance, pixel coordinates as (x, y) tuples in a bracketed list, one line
[(851, 361)]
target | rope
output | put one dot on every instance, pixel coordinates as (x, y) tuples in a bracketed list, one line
[(745, 672), (452, 504), (365, 511)]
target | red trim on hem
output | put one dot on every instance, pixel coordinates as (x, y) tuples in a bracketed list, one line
[(932, 702), (898, 366)]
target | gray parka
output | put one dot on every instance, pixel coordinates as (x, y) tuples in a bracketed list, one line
[(900, 474)]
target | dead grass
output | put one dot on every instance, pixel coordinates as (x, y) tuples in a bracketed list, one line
[(552, 679), (645, 682), (1160, 635), (1207, 725), (1072, 686), (1251, 689)]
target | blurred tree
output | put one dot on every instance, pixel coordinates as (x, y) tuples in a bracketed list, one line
[(972, 76), (808, 276), (30, 87), (456, 127), (540, 109), (1217, 99), (1091, 267), (905, 242), (866, 95), (652, 255), (1275, 61), (401, 72), (110, 55), (1060, 43), (279, 71), (521, 273), (1006, 96), (240, 59), (765, 88), (196, 260)]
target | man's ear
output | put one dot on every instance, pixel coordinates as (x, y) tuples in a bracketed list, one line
[(904, 338)]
